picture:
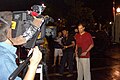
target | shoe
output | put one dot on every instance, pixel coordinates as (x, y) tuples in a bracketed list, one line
[(53, 65), (69, 75), (67, 67), (59, 64), (58, 74)]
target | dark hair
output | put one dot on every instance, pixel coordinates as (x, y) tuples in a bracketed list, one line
[(7, 16), (65, 28), (3, 30), (81, 23)]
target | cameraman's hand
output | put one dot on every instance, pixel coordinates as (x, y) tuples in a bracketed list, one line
[(34, 61), (36, 57)]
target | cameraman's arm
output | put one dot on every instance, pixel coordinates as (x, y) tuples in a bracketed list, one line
[(17, 40), (27, 35), (34, 61)]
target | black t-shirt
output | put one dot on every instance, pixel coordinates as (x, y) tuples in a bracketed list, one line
[(66, 41)]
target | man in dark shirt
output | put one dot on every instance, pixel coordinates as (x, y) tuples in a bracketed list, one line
[(68, 50)]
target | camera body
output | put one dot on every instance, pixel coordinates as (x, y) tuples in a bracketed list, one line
[(20, 23), (25, 24)]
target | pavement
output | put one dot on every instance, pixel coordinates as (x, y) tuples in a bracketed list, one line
[(105, 65)]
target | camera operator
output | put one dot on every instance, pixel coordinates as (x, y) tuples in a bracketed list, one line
[(8, 52), (7, 16)]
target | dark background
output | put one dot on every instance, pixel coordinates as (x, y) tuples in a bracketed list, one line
[(102, 8)]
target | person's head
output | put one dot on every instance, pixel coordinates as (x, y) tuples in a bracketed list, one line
[(7, 17), (81, 27), (65, 32), (4, 26), (59, 33)]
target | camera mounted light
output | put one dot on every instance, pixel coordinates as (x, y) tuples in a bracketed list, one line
[(38, 8)]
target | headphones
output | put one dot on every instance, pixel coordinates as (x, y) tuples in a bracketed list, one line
[(3, 20)]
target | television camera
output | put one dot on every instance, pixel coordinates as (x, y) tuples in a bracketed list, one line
[(30, 24)]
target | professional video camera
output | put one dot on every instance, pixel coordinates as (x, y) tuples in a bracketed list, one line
[(32, 25)]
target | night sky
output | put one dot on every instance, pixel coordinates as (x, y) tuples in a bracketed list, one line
[(102, 8), (15, 4)]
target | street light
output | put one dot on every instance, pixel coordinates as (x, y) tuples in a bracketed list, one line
[(118, 10), (117, 25)]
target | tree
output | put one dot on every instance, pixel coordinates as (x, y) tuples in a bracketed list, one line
[(72, 11), (78, 12)]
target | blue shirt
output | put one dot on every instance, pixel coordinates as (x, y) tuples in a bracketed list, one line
[(7, 60)]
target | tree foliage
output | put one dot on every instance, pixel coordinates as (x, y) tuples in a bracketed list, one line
[(72, 11), (79, 12)]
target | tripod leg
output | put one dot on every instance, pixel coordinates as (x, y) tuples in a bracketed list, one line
[(45, 68)]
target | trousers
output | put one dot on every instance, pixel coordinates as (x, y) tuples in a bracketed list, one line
[(83, 68)]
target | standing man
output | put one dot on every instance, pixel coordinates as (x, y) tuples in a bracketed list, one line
[(68, 50), (84, 44)]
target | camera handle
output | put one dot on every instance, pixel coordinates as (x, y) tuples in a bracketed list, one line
[(21, 67)]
